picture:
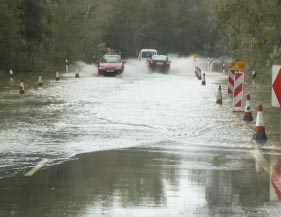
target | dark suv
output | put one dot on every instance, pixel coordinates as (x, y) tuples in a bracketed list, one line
[(159, 63)]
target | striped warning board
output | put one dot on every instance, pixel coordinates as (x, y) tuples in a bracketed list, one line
[(238, 90), (276, 86), (231, 75)]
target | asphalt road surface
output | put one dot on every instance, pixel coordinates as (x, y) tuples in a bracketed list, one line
[(139, 144)]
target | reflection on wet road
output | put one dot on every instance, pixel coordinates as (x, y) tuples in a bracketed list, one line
[(161, 147), (144, 182)]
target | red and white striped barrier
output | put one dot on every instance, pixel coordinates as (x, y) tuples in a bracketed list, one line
[(238, 90), (259, 134), (231, 75)]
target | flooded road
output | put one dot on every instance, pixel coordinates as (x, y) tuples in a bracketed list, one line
[(157, 145)]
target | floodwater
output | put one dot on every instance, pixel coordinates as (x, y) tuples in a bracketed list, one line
[(139, 144)]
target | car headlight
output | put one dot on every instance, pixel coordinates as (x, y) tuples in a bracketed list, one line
[(101, 68)]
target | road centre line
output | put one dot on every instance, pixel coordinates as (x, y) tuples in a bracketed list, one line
[(41, 164)]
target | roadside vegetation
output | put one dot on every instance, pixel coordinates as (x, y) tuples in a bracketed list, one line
[(36, 34)]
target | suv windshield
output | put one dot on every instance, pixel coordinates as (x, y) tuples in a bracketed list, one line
[(111, 59), (147, 54)]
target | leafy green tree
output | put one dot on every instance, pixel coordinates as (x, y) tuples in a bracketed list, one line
[(10, 40), (33, 32), (250, 30)]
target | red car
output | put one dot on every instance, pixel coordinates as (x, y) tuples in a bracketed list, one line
[(110, 65)]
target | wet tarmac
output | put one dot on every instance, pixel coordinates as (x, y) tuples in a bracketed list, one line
[(140, 144), (146, 181)]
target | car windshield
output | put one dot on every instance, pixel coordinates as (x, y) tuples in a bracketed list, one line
[(111, 59), (160, 57), (148, 54)]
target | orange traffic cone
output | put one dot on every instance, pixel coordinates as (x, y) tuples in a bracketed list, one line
[(247, 112), (219, 96), (259, 134), (21, 90)]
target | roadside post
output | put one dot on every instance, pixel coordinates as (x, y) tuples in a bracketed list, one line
[(203, 80), (57, 76), (94, 61), (11, 73), (276, 88), (66, 65), (77, 74), (40, 81)]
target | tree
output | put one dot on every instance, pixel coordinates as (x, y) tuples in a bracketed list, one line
[(10, 40), (33, 33), (250, 29)]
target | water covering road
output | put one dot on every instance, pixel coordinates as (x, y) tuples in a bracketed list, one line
[(168, 113)]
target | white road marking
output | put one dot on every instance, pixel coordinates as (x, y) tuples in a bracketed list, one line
[(42, 163)]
